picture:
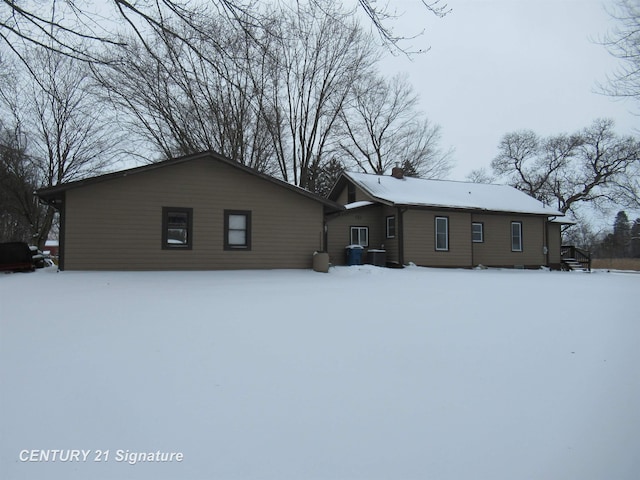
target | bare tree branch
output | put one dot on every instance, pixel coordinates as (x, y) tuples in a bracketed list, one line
[(80, 28), (68, 133), (567, 170), (380, 18), (623, 42), (381, 127)]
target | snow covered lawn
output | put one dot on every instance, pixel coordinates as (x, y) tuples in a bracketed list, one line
[(362, 373)]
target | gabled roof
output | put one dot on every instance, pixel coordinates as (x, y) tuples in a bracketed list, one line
[(409, 191), (54, 195)]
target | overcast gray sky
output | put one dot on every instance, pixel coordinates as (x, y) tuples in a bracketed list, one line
[(504, 65)]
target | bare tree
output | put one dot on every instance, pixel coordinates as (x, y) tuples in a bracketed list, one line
[(582, 234), (20, 213), (145, 92), (381, 127), (179, 104), (276, 97), (566, 170), (381, 15), (534, 164), (68, 135), (78, 28), (481, 175), (422, 153), (272, 102), (71, 132), (318, 59), (623, 42)]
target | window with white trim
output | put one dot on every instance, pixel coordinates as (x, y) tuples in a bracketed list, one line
[(442, 234), (360, 236), (477, 232), (391, 226), (516, 236)]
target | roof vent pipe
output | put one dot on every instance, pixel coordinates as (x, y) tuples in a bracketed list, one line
[(397, 172)]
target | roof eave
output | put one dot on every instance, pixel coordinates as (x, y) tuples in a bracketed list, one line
[(475, 209), (337, 186)]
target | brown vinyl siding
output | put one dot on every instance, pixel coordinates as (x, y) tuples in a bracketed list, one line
[(339, 230), (391, 244), (496, 248), (555, 241), (342, 197), (360, 195), (419, 238), (117, 224)]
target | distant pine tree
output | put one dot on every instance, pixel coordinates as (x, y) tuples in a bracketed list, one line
[(410, 169), (325, 177), (621, 235)]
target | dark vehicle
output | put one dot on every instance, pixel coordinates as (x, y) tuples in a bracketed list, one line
[(16, 257)]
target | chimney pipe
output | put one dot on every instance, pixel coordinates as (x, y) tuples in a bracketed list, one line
[(397, 172)]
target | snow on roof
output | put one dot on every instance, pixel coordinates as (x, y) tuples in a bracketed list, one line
[(564, 221), (449, 194), (363, 203)]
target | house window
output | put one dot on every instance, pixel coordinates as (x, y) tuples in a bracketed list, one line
[(391, 227), (351, 192), (177, 224), (237, 230), (360, 236), (477, 232), (516, 236), (442, 233)]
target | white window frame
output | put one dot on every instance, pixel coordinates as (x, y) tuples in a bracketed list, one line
[(359, 240), (473, 232), (391, 218), (516, 237), (439, 222)]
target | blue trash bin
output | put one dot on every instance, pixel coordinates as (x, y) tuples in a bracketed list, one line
[(354, 254)]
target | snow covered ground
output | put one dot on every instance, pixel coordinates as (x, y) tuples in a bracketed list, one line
[(362, 373)]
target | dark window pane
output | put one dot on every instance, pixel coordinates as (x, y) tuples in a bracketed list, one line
[(176, 228)]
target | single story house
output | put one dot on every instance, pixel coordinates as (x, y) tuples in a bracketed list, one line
[(201, 211), (440, 223)]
